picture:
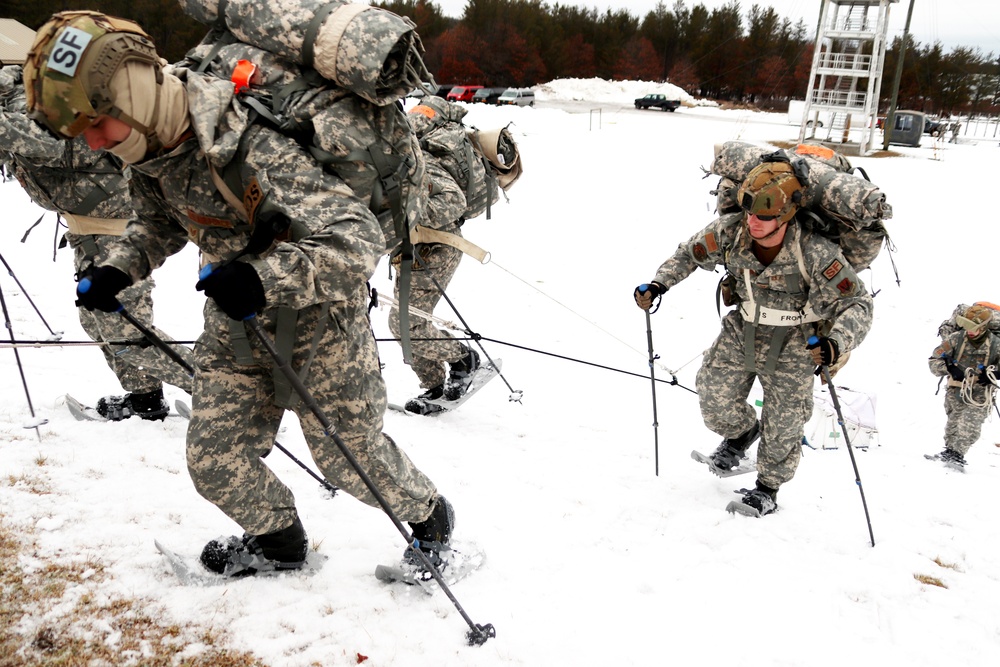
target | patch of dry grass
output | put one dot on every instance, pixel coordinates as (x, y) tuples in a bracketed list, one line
[(93, 631), (929, 580)]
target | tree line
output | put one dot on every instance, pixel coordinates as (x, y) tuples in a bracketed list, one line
[(756, 58)]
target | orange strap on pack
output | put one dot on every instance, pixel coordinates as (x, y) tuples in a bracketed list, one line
[(243, 75)]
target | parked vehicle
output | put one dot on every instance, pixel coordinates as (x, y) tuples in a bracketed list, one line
[(522, 97), (656, 101), (462, 93), (935, 128), (798, 107), (443, 90), (487, 95)]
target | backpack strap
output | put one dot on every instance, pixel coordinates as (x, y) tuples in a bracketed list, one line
[(421, 234), (284, 341)]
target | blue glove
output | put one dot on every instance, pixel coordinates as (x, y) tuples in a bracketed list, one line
[(236, 289), (99, 286)]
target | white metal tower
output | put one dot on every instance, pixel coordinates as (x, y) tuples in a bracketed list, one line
[(846, 74)]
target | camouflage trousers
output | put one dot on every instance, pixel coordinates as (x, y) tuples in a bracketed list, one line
[(235, 417), (724, 384), (965, 422), (431, 347), (139, 368)]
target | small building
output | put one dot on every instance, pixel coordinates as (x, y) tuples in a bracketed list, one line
[(907, 128)]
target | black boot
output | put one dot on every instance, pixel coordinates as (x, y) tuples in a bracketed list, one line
[(952, 457), (460, 375), (762, 498), (433, 534), (420, 404), (731, 450), (149, 405), (283, 549)]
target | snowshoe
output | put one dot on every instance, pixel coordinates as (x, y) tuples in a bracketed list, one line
[(950, 458), (421, 405), (232, 556), (456, 563), (149, 406), (731, 451), (756, 502)]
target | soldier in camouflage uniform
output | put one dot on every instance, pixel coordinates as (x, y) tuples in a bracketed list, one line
[(432, 348), (89, 191), (967, 357), (789, 284), (295, 253)]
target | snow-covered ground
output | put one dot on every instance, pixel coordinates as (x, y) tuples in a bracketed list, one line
[(592, 558)]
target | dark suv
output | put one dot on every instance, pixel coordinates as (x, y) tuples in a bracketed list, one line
[(487, 95)]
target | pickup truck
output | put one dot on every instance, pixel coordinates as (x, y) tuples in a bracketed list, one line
[(656, 100)]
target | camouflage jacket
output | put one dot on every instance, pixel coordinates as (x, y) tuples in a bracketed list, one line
[(828, 286), (965, 353), (60, 176), (335, 240)]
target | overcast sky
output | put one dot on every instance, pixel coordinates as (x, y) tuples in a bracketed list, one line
[(971, 23)]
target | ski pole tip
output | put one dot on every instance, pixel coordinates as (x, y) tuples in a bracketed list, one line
[(480, 634)]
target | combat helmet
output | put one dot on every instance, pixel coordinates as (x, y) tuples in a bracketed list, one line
[(975, 320), (771, 191), (67, 76)]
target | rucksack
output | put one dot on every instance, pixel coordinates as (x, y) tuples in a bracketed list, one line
[(465, 154), (295, 73), (845, 208), (330, 75)]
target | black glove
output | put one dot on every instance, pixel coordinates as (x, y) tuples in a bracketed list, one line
[(825, 351), (957, 374), (646, 293), (98, 287), (236, 288), (983, 378)]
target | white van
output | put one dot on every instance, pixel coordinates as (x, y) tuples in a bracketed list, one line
[(795, 110), (522, 97)]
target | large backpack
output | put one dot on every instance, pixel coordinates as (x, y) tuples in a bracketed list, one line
[(329, 74), (846, 208), (464, 153), (297, 73)]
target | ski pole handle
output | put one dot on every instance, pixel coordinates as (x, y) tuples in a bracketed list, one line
[(84, 286), (208, 270), (812, 340)]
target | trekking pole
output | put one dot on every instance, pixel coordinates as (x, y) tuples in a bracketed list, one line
[(84, 286), (652, 379), (478, 634), (847, 440), (325, 484), (162, 345), (10, 330), (55, 334), (158, 342), (515, 394)]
